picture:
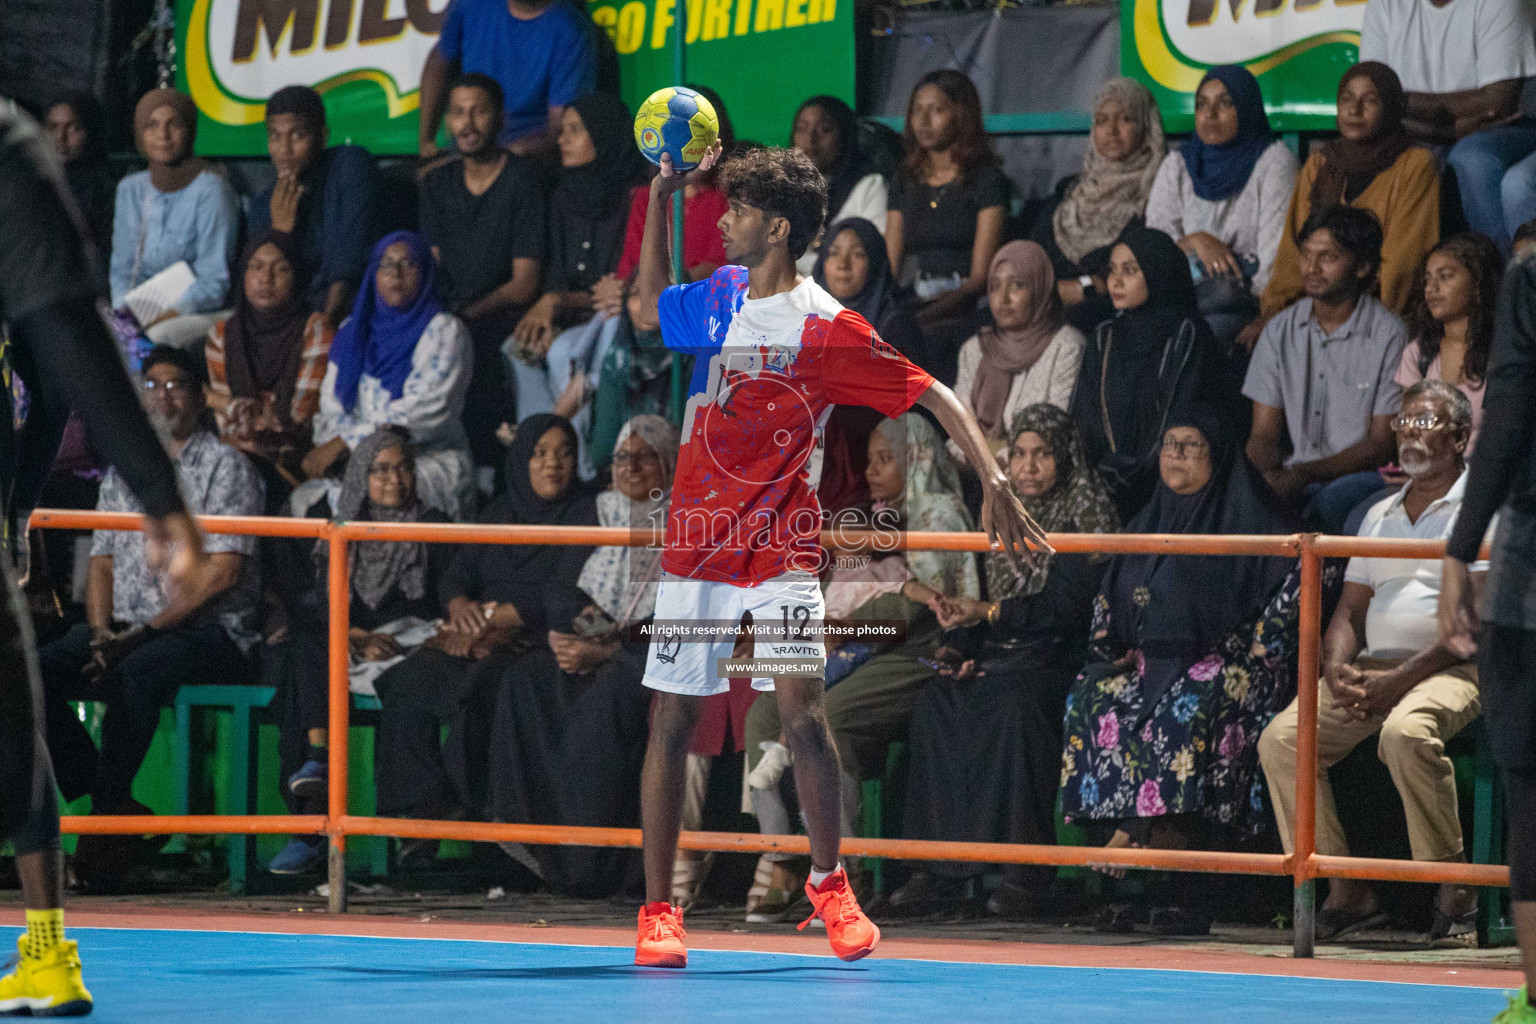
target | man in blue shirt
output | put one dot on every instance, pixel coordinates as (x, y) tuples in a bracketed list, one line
[(324, 196), (540, 52)]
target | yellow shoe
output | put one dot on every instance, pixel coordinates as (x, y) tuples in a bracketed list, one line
[(48, 987)]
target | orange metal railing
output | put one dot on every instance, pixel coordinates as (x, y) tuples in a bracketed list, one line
[(1304, 866)]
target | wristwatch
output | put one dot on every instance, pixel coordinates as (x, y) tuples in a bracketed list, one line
[(1086, 282)]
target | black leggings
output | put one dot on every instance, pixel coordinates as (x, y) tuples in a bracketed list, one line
[(29, 810), (1520, 803)]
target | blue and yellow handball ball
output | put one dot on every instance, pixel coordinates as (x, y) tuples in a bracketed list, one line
[(678, 122)]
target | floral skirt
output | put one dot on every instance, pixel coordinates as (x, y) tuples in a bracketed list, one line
[(1195, 750)]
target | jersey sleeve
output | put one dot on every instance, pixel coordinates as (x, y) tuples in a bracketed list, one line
[(686, 310), (861, 369)]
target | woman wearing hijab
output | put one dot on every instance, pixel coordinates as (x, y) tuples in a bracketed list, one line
[(496, 602), (1125, 150), (399, 359), (1141, 368), (1374, 165), (1223, 196), (1190, 658), (266, 363), (984, 741), (827, 130), (392, 583), (568, 330), (77, 124), (178, 211), (1029, 356), (569, 729), (915, 487)]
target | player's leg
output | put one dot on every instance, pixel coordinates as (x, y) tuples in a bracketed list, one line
[(803, 719), (47, 974), (1520, 802), (1507, 683), (673, 718)]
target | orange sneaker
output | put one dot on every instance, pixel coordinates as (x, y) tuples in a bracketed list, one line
[(852, 934), (661, 937)]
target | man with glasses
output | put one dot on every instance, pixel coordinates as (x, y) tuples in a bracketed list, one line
[(1386, 671), (136, 649)]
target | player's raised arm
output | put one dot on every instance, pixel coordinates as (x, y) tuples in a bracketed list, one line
[(654, 272), (1002, 514)]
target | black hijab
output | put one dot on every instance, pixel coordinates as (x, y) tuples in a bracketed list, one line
[(263, 349), (598, 190), (876, 301), (854, 165), (574, 506), (1175, 609)]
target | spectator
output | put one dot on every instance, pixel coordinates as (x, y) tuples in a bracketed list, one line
[(1125, 151), (1143, 368), (854, 268), (324, 196), (1187, 664), (1340, 424), (1385, 670), (138, 647), (266, 364), (1464, 64), (393, 586), (1029, 355), (1373, 165), (179, 210), (484, 217), (916, 487), (539, 52), (562, 340), (1451, 320), (399, 359), (1525, 237), (827, 130), (494, 598), (984, 758), (948, 205), (1223, 196), (78, 126), (569, 732)]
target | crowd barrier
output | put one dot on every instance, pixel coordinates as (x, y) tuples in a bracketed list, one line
[(1304, 866)]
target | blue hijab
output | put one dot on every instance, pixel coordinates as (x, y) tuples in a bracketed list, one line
[(1220, 172), (378, 339)]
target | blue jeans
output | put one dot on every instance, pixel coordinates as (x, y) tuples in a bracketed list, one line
[(1329, 505), (1496, 176)]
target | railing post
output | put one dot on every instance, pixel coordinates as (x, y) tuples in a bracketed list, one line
[(338, 577), (1304, 901)]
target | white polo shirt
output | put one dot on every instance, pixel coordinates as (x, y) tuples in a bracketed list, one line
[(1401, 620)]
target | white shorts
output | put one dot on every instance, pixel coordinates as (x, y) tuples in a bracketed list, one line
[(689, 667)]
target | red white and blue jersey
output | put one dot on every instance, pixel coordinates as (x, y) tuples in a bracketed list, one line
[(766, 375)]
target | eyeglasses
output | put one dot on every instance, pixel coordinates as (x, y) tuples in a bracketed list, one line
[(1424, 421), (627, 459), (1184, 449), (399, 469), (170, 387), (402, 267)]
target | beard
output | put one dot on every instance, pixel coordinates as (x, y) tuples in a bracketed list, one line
[(1415, 459)]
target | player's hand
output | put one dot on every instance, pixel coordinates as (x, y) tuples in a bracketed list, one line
[(1007, 524), (1458, 610), (174, 549), (669, 180)]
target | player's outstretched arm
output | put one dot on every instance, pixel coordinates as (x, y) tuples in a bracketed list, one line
[(654, 272), (1002, 515)]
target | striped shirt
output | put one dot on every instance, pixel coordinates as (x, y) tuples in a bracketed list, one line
[(306, 393)]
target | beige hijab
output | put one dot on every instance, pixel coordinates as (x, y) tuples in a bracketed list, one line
[(1007, 353), (1111, 192), (175, 176)]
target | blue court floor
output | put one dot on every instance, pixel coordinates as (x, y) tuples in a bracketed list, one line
[(192, 976)]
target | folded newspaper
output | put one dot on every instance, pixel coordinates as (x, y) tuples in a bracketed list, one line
[(152, 298)]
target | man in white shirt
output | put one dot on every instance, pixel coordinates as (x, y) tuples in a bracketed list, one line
[(1463, 64), (1385, 670)]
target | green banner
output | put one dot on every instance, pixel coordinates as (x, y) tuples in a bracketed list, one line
[(1297, 50), (365, 57)]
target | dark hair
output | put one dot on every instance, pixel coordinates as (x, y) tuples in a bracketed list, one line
[(92, 116), (485, 83), (781, 183), (972, 146), (1525, 231), (1482, 259), (1358, 232), (301, 101), (179, 358), (840, 114)]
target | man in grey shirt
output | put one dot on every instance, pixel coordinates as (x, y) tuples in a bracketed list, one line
[(1321, 377)]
